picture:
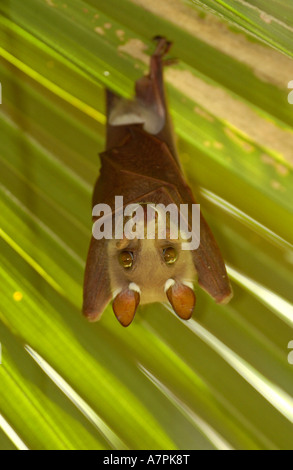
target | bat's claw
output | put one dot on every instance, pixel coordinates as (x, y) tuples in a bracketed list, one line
[(163, 46)]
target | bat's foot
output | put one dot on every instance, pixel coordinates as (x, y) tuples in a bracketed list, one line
[(162, 49), (163, 46)]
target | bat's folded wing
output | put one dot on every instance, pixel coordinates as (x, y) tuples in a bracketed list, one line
[(97, 293)]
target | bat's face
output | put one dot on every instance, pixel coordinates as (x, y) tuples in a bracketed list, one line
[(145, 270)]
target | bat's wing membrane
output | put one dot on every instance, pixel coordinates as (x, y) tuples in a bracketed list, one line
[(97, 293)]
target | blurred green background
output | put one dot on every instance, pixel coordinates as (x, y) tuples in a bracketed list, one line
[(221, 380)]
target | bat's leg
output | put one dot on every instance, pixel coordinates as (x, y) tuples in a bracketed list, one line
[(149, 107), (150, 89), (150, 94)]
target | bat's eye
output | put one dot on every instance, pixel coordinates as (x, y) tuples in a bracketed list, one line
[(126, 259), (169, 255)]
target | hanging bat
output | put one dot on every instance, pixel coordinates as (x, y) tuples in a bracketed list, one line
[(141, 165)]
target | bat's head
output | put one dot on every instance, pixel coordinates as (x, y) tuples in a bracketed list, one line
[(146, 271), (150, 269), (137, 270)]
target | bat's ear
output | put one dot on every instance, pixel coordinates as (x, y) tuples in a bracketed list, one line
[(96, 292), (182, 299), (125, 305)]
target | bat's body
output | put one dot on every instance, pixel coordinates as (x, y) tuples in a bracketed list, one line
[(141, 164)]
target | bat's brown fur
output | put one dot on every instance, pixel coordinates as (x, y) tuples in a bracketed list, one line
[(144, 168)]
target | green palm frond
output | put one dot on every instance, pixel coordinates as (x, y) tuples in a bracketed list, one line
[(221, 380)]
